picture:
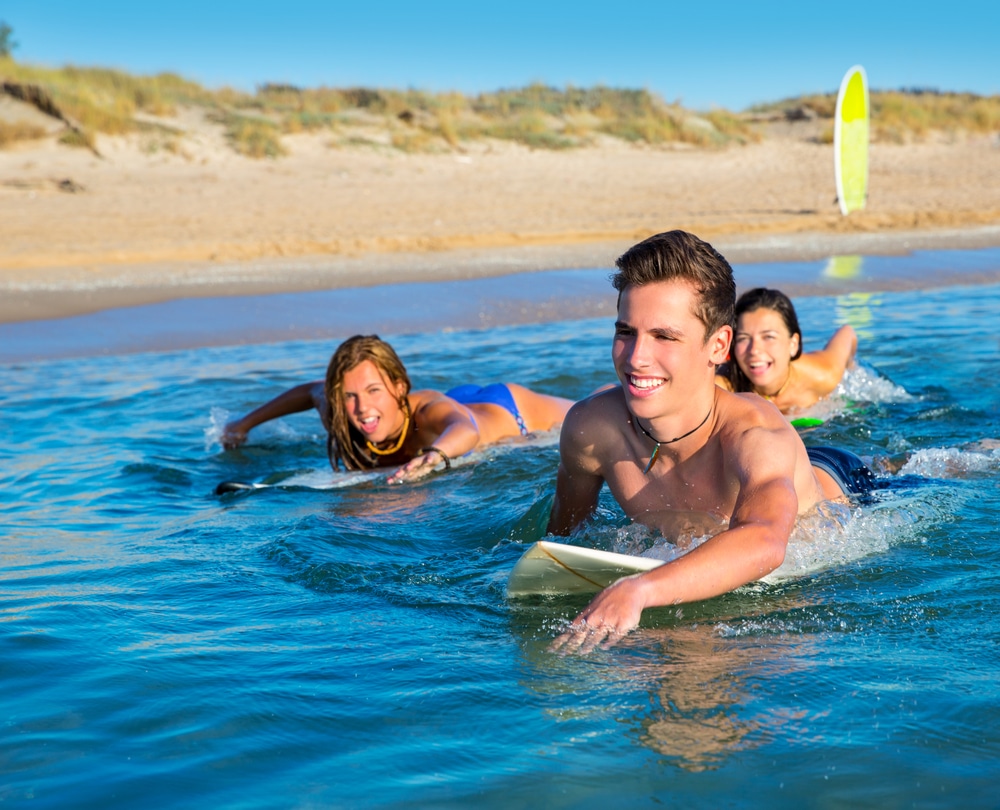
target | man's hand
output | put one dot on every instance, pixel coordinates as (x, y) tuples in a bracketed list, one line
[(607, 619)]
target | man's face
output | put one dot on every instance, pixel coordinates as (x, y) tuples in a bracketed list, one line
[(660, 353)]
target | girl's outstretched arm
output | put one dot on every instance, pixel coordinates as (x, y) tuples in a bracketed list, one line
[(294, 400)]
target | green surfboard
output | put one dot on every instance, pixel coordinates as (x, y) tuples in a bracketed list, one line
[(850, 141)]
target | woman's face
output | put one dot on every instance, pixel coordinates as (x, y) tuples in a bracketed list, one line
[(763, 348), (372, 402)]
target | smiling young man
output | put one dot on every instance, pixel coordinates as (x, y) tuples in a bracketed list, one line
[(678, 453)]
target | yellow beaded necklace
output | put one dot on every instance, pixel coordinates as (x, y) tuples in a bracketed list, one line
[(399, 442)]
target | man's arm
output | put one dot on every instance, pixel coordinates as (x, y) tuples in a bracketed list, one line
[(764, 462), (294, 400), (578, 482)]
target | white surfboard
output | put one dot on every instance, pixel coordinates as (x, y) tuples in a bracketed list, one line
[(326, 478), (307, 479), (550, 568)]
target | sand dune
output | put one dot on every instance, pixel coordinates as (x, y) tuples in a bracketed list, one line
[(143, 223)]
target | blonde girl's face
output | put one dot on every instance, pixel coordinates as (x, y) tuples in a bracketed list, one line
[(763, 348), (372, 402)]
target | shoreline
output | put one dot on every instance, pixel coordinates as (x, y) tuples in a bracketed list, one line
[(64, 293), (498, 291)]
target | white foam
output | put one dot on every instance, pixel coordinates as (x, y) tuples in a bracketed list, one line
[(275, 429), (216, 424), (863, 384), (833, 535), (951, 462), (859, 384)]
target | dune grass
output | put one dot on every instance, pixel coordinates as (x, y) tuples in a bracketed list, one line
[(19, 131), (901, 116), (103, 100), (251, 135), (109, 102)]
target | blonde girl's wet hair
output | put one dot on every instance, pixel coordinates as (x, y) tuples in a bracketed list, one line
[(345, 446)]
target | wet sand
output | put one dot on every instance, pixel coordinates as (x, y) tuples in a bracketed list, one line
[(524, 297), (206, 247)]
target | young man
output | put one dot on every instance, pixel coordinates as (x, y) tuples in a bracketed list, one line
[(679, 453)]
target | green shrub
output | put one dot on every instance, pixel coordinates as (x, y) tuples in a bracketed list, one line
[(78, 138), (251, 136)]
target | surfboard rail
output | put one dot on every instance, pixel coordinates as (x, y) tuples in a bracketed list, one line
[(547, 567)]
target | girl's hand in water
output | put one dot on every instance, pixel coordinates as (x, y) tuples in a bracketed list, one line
[(418, 467), (232, 436)]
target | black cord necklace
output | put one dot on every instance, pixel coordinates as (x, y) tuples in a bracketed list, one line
[(652, 438)]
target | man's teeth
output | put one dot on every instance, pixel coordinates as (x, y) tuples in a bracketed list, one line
[(645, 382)]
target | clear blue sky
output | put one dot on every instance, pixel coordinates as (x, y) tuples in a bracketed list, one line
[(702, 54)]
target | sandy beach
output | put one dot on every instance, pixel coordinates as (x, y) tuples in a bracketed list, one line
[(139, 224)]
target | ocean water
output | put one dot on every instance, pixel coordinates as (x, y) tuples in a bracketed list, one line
[(352, 646)]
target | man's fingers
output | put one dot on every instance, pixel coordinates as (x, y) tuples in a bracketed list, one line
[(584, 638)]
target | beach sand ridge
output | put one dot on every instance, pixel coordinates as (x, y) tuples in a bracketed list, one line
[(144, 223)]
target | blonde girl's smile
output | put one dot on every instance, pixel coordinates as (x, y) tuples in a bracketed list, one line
[(372, 402)]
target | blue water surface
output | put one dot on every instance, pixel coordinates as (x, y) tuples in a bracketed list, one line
[(163, 646)]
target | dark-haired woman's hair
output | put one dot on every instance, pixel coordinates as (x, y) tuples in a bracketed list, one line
[(345, 446), (763, 298)]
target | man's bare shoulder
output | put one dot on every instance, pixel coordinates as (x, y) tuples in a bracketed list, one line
[(742, 411), (601, 409), (758, 442), (594, 427), (747, 419)]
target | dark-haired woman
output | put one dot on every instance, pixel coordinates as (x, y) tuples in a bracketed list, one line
[(767, 355)]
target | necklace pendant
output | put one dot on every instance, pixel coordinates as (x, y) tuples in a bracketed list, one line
[(652, 458)]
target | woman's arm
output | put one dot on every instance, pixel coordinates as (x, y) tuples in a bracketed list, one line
[(829, 364), (294, 400), (450, 431)]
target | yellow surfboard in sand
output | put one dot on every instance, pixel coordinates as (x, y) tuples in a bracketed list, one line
[(850, 141)]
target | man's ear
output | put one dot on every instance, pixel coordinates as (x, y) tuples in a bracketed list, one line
[(794, 347), (719, 344)]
